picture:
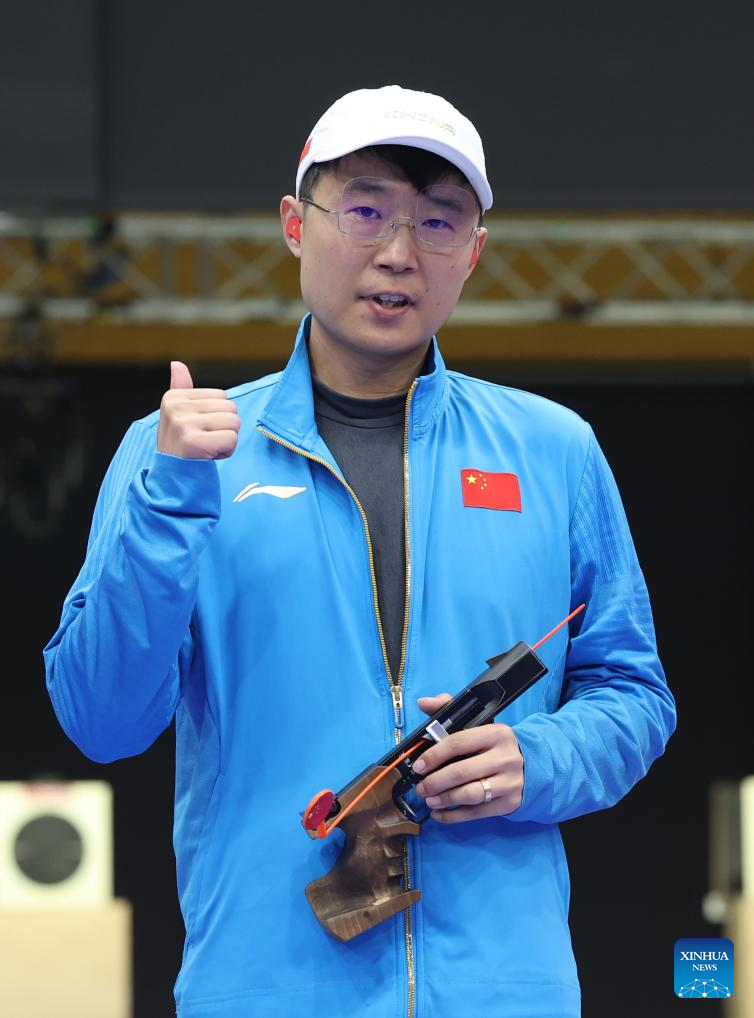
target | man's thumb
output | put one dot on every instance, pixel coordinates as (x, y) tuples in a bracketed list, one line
[(180, 376), (431, 704)]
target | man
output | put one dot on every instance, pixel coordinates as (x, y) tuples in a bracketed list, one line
[(285, 569)]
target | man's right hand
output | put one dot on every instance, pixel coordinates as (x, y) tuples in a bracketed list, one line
[(198, 424)]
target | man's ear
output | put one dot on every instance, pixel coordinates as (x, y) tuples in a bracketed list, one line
[(291, 218), (479, 241)]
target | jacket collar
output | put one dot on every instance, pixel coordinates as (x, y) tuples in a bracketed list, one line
[(289, 412)]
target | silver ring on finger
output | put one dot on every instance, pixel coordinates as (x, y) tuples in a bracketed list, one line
[(485, 782)]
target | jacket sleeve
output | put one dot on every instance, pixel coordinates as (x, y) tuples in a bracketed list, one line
[(113, 665), (616, 712)]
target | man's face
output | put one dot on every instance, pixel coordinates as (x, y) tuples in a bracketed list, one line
[(342, 274)]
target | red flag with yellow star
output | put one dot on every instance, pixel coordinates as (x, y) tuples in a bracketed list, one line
[(485, 490)]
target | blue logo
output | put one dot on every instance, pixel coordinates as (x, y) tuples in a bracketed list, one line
[(703, 967)]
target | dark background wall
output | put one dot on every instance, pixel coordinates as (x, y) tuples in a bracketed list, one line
[(681, 454), (583, 105)]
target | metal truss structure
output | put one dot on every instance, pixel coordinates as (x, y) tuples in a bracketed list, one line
[(191, 268)]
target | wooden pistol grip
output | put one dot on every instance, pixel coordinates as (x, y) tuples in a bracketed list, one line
[(365, 884)]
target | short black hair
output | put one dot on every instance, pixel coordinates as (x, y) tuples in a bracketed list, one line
[(420, 167)]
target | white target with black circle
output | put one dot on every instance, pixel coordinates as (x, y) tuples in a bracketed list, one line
[(56, 843)]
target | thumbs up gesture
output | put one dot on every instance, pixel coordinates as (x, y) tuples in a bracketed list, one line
[(196, 423)]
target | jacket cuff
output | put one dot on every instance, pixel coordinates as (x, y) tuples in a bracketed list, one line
[(536, 802), (184, 487)]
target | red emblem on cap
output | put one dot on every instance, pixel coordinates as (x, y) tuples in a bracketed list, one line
[(305, 151)]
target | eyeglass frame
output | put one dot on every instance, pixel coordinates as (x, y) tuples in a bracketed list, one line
[(391, 225)]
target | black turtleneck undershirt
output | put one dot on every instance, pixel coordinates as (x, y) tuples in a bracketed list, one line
[(365, 437)]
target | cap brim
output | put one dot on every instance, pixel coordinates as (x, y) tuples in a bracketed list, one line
[(436, 145)]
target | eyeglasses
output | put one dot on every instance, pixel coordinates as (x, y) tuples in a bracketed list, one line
[(445, 216)]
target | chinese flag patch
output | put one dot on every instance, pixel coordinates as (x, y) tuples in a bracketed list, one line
[(484, 490)]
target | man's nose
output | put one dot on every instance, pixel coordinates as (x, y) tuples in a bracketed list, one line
[(398, 249)]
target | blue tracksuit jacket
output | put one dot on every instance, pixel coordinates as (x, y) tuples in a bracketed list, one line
[(253, 623)]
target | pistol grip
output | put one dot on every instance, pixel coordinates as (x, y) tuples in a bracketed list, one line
[(364, 887)]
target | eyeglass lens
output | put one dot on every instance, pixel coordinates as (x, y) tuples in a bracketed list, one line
[(445, 215)]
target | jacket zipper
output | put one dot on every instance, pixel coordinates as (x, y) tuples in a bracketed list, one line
[(396, 689)]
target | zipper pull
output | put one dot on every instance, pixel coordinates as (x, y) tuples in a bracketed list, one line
[(397, 692)]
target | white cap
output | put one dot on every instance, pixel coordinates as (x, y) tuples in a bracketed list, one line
[(392, 115)]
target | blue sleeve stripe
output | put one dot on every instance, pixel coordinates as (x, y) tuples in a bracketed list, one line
[(600, 537), (135, 453)]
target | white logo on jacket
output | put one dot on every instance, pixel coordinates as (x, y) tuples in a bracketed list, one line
[(278, 490)]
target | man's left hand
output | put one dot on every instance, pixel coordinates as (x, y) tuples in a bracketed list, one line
[(493, 768)]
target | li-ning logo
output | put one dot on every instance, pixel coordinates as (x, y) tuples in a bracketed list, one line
[(278, 490), (422, 118), (703, 967)]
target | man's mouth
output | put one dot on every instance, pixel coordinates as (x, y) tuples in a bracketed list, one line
[(387, 300)]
